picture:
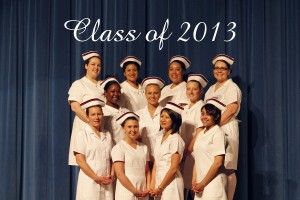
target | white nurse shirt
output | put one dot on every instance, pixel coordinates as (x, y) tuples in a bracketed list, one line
[(134, 99)]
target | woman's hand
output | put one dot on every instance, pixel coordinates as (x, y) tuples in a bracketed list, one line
[(155, 192), (198, 187), (104, 180), (140, 193)]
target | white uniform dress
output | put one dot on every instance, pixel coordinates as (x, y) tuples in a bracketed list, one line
[(133, 99), (135, 168), (176, 95), (227, 94), (77, 92), (206, 147), (149, 127), (190, 121), (109, 122), (97, 154), (163, 155)]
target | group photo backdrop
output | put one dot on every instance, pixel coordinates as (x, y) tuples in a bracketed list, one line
[(40, 57)]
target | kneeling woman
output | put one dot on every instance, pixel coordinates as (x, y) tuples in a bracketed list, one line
[(92, 148), (209, 150), (131, 161), (167, 182)]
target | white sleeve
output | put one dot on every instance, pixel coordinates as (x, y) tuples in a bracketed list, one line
[(76, 92), (219, 144), (177, 146), (233, 94), (80, 142), (117, 153)]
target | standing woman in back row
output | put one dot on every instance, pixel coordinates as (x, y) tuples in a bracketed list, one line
[(227, 92), (133, 93), (89, 85), (176, 91)]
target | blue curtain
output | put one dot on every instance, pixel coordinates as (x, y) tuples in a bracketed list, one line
[(40, 58)]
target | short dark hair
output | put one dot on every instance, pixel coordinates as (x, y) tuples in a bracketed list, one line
[(87, 111), (182, 65), (131, 62), (109, 84), (213, 111), (86, 62), (200, 86), (175, 117), (129, 118)]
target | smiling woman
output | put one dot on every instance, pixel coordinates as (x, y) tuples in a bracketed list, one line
[(133, 93), (112, 109), (89, 85), (176, 91), (131, 159)]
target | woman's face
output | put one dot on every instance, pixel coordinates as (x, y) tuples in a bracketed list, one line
[(221, 71), (93, 69), (113, 94), (176, 73), (131, 129), (131, 73), (152, 94), (193, 91), (95, 116), (165, 121), (206, 119)]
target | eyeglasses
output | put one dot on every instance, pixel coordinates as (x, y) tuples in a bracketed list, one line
[(220, 68)]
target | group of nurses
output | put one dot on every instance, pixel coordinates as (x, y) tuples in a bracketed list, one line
[(148, 100)]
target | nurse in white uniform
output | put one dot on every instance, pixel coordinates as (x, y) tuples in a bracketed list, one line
[(209, 183), (227, 92), (176, 91), (191, 121), (112, 109), (130, 159), (92, 148), (167, 181), (88, 85), (150, 114), (133, 93)]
